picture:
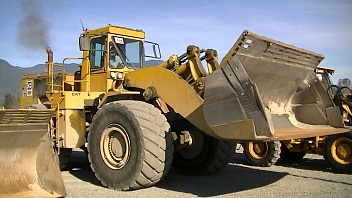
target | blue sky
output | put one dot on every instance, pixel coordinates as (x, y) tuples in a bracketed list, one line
[(323, 26)]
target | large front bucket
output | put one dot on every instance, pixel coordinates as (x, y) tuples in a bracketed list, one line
[(266, 89), (28, 163)]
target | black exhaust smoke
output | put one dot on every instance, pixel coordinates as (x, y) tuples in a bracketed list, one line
[(33, 29)]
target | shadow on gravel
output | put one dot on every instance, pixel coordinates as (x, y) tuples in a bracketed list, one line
[(234, 178), (311, 164), (307, 163), (314, 164), (80, 168)]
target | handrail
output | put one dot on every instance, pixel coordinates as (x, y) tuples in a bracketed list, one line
[(76, 58), (52, 76)]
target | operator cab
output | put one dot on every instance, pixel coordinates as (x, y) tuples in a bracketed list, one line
[(116, 47), (120, 53), (110, 52)]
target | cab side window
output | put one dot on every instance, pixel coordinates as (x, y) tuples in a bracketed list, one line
[(97, 53)]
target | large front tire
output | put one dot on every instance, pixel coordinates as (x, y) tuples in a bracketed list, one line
[(205, 156), (129, 145), (262, 153), (338, 152)]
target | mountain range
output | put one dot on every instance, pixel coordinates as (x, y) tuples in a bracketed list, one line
[(10, 76)]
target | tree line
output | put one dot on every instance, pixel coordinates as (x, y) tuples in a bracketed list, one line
[(11, 102)]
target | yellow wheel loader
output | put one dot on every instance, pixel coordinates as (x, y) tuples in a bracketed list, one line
[(138, 121), (336, 149)]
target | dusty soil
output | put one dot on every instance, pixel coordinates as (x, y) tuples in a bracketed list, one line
[(310, 177)]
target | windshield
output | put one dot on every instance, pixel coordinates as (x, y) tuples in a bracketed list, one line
[(124, 51)]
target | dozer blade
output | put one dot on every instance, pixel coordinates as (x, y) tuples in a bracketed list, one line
[(28, 164), (267, 90)]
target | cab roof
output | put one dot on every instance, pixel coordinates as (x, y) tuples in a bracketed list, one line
[(123, 31)]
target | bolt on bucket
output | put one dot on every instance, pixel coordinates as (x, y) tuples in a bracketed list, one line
[(267, 90), (29, 165)]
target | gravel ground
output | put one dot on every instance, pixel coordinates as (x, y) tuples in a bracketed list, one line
[(310, 177)]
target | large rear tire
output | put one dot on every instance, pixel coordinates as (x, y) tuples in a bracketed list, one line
[(338, 152), (129, 145), (64, 157), (206, 155), (262, 153), (288, 155)]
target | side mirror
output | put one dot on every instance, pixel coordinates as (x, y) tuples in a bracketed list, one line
[(84, 43), (152, 50)]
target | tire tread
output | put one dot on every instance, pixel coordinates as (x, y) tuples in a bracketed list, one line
[(157, 154)]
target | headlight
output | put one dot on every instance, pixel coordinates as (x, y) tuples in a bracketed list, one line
[(116, 75), (119, 75), (113, 75)]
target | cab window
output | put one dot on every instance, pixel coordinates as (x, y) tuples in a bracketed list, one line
[(97, 53), (130, 51)]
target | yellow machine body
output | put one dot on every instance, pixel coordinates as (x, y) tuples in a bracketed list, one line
[(70, 93), (258, 92), (252, 103)]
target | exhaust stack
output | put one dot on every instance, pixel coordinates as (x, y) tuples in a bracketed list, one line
[(50, 54)]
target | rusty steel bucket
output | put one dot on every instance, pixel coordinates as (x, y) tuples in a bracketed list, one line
[(267, 90), (29, 165)]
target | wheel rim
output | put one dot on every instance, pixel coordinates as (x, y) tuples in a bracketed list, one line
[(341, 150), (258, 150), (115, 146)]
